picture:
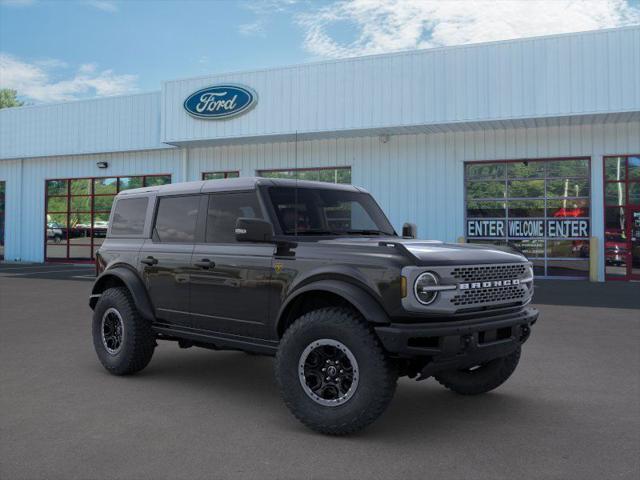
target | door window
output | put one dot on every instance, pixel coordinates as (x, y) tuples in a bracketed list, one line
[(223, 212), (129, 215), (176, 219)]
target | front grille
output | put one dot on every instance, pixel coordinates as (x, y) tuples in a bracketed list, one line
[(489, 295), (480, 273)]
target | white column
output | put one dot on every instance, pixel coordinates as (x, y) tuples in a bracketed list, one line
[(597, 212)]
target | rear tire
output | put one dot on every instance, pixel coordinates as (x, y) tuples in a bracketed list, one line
[(123, 340), (363, 382), (481, 379)]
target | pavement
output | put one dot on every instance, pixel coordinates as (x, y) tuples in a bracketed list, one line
[(570, 411)]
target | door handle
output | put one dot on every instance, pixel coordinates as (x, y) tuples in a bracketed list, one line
[(149, 261), (205, 263)]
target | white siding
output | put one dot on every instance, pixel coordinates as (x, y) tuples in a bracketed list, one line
[(90, 126), (548, 77)]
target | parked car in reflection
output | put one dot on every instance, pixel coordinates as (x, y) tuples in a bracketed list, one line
[(580, 248), (615, 249), (82, 230), (54, 232), (100, 228)]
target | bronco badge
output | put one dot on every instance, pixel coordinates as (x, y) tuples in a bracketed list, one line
[(494, 283)]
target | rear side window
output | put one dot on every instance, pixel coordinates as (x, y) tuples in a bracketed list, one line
[(176, 219), (129, 215), (224, 210)]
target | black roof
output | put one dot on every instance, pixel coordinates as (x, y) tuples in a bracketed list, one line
[(231, 184)]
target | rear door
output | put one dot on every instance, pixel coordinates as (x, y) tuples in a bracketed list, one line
[(231, 281), (166, 257)]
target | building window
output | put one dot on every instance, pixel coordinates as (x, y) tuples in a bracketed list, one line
[(77, 212), (2, 210), (622, 217), (540, 207), (219, 175), (329, 174)]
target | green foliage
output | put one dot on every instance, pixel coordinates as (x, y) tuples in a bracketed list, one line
[(8, 98)]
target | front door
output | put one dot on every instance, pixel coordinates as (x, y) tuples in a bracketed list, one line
[(231, 280)]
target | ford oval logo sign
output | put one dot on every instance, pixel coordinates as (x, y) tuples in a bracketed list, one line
[(220, 101)]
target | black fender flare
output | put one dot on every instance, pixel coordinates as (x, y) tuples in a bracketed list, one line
[(132, 281), (368, 306)]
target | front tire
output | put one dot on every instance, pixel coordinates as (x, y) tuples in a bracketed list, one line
[(482, 378), (123, 340), (358, 380)]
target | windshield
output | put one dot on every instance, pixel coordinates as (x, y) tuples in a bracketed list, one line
[(317, 211)]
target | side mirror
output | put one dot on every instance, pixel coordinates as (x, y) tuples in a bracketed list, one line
[(409, 230), (254, 230)]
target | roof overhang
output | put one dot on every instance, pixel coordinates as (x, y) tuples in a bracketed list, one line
[(462, 126)]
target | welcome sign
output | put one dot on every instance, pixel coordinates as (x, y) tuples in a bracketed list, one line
[(219, 102), (528, 228)]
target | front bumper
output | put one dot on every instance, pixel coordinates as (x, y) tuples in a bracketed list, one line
[(458, 344)]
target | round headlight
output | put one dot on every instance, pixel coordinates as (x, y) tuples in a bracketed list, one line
[(422, 288)]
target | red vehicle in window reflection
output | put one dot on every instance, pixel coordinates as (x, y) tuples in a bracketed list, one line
[(570, 212), (615, 248)]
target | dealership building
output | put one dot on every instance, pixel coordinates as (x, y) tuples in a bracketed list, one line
[(532, 142)]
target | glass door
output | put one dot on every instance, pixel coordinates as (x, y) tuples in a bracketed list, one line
[(622, 217), (634, 247)]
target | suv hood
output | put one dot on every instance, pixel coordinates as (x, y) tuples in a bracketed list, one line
[(431, 252)]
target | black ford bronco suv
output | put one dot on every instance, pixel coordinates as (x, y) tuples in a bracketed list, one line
[(314, 274)]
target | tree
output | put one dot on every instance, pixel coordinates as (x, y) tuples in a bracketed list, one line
[(8, 98)]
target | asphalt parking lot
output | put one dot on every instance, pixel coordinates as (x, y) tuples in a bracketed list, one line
[(571, 410)]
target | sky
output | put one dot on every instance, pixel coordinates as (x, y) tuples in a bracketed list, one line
[(59, 50)]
